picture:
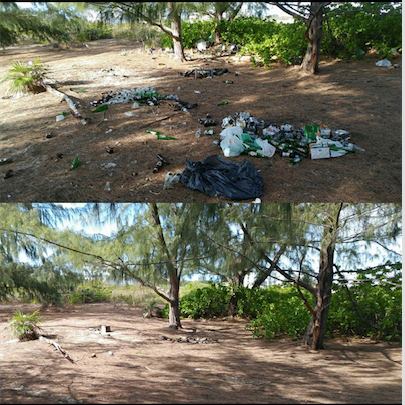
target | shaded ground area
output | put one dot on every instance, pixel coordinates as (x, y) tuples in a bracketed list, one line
[(356, 96), (232, 368)]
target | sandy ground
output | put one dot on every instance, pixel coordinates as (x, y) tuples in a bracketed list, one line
[(232, 368), (356, 96)]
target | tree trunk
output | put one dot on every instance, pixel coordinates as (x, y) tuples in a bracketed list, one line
[(176, 33), (310, 63), (314, 336), (218, 36), (260, 279), (174, 314), (233, 302)]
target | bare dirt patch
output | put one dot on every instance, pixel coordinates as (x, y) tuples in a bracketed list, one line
[(356, 96), (231, 367)]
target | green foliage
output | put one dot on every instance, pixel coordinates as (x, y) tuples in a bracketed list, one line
[(135, 295), (25, 326), (279, 311), (283, 315), (377, 295), (207, 302), (26, 77), (91, 292), (193, 32), (44, 284), (287, 45), (352, 30), (149, 36)]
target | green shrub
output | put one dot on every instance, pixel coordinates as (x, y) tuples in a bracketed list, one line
[(207, 302), (90, 293), (92, 31), (25, 326), (378, 314), (148, 35), (283, 315)]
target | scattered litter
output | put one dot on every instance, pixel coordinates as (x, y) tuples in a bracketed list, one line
[(197, 91), (4, 161), (129, 113), (171, 179), (8, 174), (159, 136), (160, 163), (228, 81), (246, 134), (135, 104), (109, 149), (107, 186), (105, 329), (384, 63), (75, 163), (189, 339), (60, 117), (93, 355), (236, 142), (108, 131), (207, 121), (49, 135), (217, 177), (198, 133), (250, 124), (108, 165), (202, 73), (223, 102), (110, 353), (100, 108), (201, 46), (209, 132)]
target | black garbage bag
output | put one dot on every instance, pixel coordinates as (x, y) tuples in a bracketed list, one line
[(216, 176)]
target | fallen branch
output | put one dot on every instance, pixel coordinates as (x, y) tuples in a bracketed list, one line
[(49, 87), (57, 346)]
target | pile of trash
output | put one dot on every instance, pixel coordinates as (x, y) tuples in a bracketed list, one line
[(202, 73), (246, 134), (143, 95)]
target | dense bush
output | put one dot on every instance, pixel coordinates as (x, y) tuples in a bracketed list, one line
[(277, 311), (206, 302), (148, 35), (352, 30), (91, 292), (284, 315)]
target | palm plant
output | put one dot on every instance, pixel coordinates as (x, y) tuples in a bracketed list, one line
[(27, 77), (25, 326)]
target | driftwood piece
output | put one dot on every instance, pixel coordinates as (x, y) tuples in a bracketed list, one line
[(71, 104), (57, 346), (49, 86)]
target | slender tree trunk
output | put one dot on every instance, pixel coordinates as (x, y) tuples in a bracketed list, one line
[(174, 315), (233, 302), (310, 63), (260, 279), (174, 303), (218, 36), (176, 33), (314, 336)]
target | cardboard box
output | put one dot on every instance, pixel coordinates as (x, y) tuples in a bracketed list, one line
[(320, 152)]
